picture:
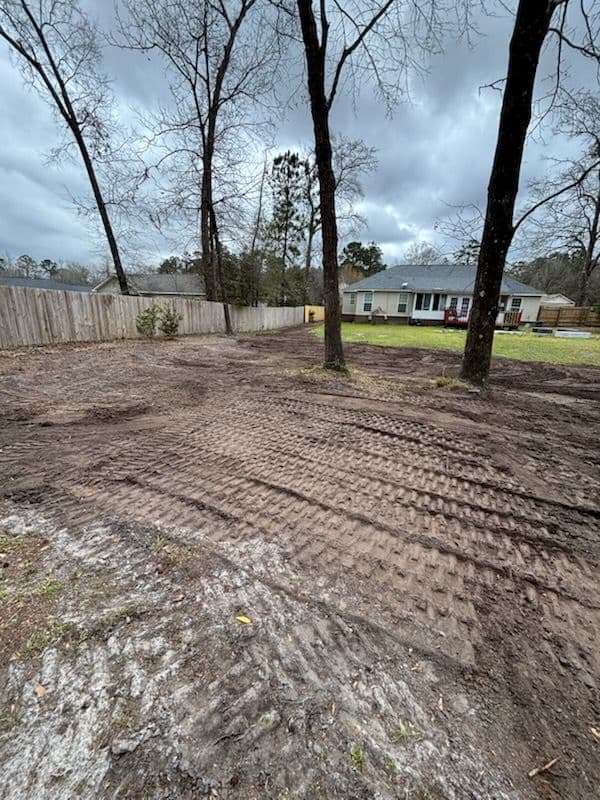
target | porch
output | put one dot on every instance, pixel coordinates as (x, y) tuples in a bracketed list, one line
[(458, 318)]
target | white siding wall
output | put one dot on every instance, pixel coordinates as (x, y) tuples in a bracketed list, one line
[(438, 315), (387, 303), (529, 306), (347, 307), (383, 303), (110, 287)]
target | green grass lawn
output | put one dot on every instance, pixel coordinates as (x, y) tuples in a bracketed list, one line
[(521, 345)]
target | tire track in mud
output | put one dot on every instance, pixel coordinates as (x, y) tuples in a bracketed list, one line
[(318, 513), (301, 674), (424, 543)]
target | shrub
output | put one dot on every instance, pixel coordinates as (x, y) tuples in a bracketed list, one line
[(146, 320), (168, 320)]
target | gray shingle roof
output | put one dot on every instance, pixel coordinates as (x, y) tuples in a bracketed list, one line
[(162, 283), (447, 278), (43, 283), (175, 283)]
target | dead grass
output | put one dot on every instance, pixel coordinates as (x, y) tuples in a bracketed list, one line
[(352, 377), (451, 384)]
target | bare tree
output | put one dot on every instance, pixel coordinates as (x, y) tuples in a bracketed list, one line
[(365, 36), (258, 217), (352, 159), (567, 199), (57, 49), (532, 26), (313, 217), (220, 58), (571, 220), (423, 253)]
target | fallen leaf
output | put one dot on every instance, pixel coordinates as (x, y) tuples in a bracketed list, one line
[(441, 703), (178, 598), (595, 732), (244, 619), (39, 690)]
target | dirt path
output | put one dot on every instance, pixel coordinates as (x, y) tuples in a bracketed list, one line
[(419, 567)]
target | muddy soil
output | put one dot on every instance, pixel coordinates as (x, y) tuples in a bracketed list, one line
[(225, 573)]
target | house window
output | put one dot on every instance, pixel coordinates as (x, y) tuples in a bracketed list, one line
[(423, 302), (368, 301), (454, 303), (402, 303), (353, 298), (464, 308), (439, 302), (515, 304)]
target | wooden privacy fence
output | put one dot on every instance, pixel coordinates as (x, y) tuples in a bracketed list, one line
[(314, 313), (42, 316), (569, 316)]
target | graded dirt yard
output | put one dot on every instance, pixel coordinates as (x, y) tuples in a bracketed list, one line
[(228, 574)]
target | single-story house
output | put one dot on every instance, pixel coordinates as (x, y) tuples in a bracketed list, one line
[(43, 283), (157, 284), (557, 300), (433, 295)]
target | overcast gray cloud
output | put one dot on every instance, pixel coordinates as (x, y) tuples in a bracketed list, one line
[(436, 150)]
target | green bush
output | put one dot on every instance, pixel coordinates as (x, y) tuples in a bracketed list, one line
[(146, 320), (168, 320)]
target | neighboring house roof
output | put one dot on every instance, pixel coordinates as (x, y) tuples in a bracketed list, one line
[(43, 283), (459, 278), (557, 300), (160, 283)]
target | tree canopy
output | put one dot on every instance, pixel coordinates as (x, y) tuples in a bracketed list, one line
[(367, 259)]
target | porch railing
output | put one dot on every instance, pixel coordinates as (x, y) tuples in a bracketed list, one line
[(505, 319)]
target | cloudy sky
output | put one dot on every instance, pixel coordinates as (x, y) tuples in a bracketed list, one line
[(434, 152)]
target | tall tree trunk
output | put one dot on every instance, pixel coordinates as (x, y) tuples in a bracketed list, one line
[(219, 255), (531, 27), (283, 285), (582, 286), (64, 105), (106, 223), (255, 290), (208, 267), (309, 248), (257, 224), (589, 262), (315, 65)]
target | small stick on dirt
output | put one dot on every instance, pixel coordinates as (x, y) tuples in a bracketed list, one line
[(545, 768)]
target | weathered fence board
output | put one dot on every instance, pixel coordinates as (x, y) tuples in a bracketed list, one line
[(579, 316), (314, 313), (42, 316)]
